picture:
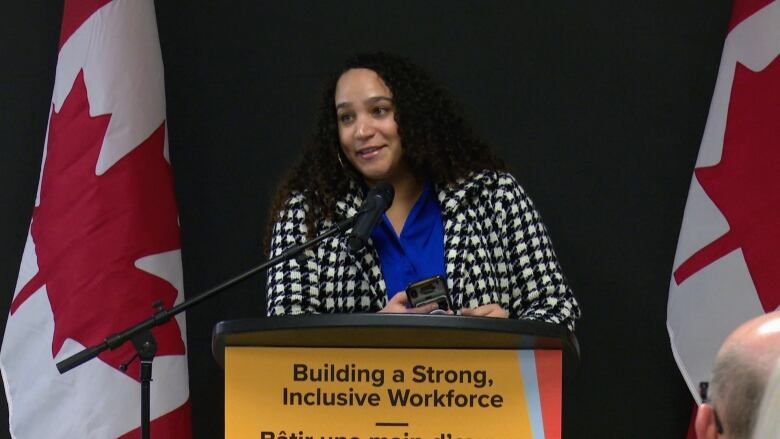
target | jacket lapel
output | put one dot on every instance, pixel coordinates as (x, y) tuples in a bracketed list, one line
[(366, 259), (458, 215)]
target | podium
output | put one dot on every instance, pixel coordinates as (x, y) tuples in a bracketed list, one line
[(363, 376)]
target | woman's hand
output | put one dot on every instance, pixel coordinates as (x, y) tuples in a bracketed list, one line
[(490, 310), (399, 302)]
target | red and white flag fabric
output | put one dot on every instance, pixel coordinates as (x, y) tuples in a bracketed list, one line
[(727, 266), (103, 243)]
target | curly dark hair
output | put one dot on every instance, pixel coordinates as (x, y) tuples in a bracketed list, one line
[(437, 142)]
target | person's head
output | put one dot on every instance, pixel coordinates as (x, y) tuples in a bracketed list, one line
[(382, 117), (768, 421), (739, 378), (405, 108), (367, 126)]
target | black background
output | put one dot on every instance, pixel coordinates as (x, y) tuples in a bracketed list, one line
[(599, 107)]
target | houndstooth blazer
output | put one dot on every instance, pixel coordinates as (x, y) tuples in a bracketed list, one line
[(496, 250)]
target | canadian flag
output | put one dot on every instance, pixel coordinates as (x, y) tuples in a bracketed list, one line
[(103, 244), (727, 266)]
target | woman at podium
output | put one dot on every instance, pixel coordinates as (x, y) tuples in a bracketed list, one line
[(458, 215)]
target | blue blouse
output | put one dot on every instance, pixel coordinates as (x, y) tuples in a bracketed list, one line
[(416, 254)]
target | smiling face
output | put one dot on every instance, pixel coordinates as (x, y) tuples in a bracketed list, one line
[(368, 131)]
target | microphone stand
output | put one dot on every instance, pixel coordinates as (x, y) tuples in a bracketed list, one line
[(146, 345)]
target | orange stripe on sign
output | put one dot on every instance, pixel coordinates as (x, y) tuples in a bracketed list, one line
[(549, 371)]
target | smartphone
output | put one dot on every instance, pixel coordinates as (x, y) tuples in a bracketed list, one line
[(430, 290)]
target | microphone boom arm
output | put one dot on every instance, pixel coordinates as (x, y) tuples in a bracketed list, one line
[(163, 315)]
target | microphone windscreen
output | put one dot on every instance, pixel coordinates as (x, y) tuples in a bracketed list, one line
[(377, 201)]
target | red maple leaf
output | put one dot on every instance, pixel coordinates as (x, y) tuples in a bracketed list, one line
[(745, 184), (89, 230)]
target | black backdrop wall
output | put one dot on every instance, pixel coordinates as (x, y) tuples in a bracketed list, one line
[(599, 106)]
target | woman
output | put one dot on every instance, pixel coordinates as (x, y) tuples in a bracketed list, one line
[(456, 213)]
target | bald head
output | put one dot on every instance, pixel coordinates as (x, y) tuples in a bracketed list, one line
[(756, 341), (741, 371)]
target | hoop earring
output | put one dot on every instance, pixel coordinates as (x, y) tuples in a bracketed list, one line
[(338, 155)]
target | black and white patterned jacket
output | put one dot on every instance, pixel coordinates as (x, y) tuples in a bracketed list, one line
[(496, 250)]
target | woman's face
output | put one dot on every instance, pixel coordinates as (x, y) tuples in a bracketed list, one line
[(368, 131)]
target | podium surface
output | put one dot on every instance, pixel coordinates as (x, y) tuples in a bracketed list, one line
[(394, 331), (384, 375)]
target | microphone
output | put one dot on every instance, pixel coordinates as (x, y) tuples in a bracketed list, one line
[(378, 200)]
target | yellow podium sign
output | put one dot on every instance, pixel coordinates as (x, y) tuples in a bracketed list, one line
[(319, 393)]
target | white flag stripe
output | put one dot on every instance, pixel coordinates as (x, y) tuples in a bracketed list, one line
[(702, 224), (704, 309)]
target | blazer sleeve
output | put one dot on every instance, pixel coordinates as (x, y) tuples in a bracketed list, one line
[(539, 289), (292, 286)]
